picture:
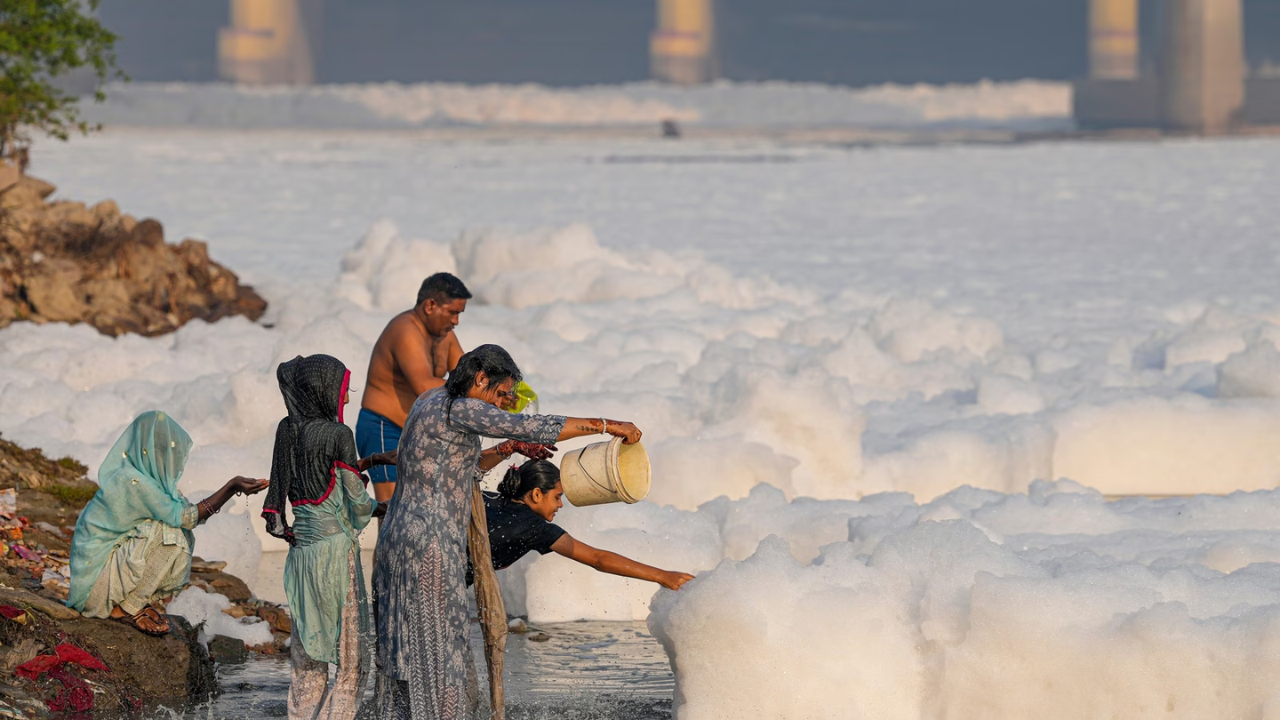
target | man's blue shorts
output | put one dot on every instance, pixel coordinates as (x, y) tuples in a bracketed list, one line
[(375, 434)]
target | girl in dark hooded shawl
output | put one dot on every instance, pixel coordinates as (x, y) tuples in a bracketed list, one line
[(315, 469)]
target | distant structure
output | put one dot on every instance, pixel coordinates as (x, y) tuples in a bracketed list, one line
[(1199, 82), (1113, 39), (276, 42), (270, 42), (1203, 67), (682, 49)]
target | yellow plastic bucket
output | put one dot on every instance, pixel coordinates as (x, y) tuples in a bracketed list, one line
[(605, 472)]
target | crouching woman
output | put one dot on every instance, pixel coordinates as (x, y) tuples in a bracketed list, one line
[(133, 541)]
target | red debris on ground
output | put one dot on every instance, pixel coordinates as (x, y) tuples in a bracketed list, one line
[(13, 613), (37, 666), (75, 694), (69, 653)]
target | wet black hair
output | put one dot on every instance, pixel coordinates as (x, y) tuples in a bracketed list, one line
[(534, 474), (442, 287), (491, 359)]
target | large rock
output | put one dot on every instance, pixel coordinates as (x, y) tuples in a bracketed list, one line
[(26, 599), (9, 175), (228, 650), (174, 670), (235, 589), (174, 666), (28, 193), (49, 491), (51, 291), (65, 262)]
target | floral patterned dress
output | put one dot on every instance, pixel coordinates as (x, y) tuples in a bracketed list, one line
[(420, 572)]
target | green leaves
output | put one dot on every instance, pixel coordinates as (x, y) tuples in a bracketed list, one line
[(40, 41)]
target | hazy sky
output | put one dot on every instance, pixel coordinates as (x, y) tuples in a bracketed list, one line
[(571, 42)]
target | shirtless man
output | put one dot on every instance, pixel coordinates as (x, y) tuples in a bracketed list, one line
[(413, 354)]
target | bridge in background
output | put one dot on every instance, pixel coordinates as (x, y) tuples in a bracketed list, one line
[(1199, 82), (276, 41)]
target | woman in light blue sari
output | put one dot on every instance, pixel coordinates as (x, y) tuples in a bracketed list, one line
[(133, 541)]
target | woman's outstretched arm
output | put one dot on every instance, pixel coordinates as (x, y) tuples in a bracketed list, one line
[(578, 427), (616, 564), (238, 485), (574, 427), (481, 418)]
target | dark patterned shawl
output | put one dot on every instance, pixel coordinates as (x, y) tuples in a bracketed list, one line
[(312, 441)]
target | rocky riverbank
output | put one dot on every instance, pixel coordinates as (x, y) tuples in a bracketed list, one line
[(51, 658), (61, 261)]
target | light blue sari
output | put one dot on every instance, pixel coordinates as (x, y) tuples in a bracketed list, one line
[(137, 482)]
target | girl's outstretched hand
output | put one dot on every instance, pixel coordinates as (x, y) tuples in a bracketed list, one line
[(673, 580)]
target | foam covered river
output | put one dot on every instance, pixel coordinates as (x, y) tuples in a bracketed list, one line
[(889, 395)]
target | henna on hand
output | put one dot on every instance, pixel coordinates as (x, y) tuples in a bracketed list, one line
[(534, 451)]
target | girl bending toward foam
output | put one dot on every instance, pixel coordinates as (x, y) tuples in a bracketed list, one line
[(519, 520)]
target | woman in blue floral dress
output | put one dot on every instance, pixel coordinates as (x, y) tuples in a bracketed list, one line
[(420, 570)]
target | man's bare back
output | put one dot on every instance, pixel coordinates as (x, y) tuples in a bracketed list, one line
[(412, 356), (407, 361)]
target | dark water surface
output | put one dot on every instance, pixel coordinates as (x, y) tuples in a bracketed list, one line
[(583, 671)]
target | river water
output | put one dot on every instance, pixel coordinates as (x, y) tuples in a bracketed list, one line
[(582, 671)]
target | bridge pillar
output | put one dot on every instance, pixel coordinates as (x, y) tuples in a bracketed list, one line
[(1113, 39), (682, 47), (270, 42), (1202, 84)]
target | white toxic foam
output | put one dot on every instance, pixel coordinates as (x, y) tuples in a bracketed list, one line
[(1025, 104), (198, 607), (1052, 604), (736, 379)]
